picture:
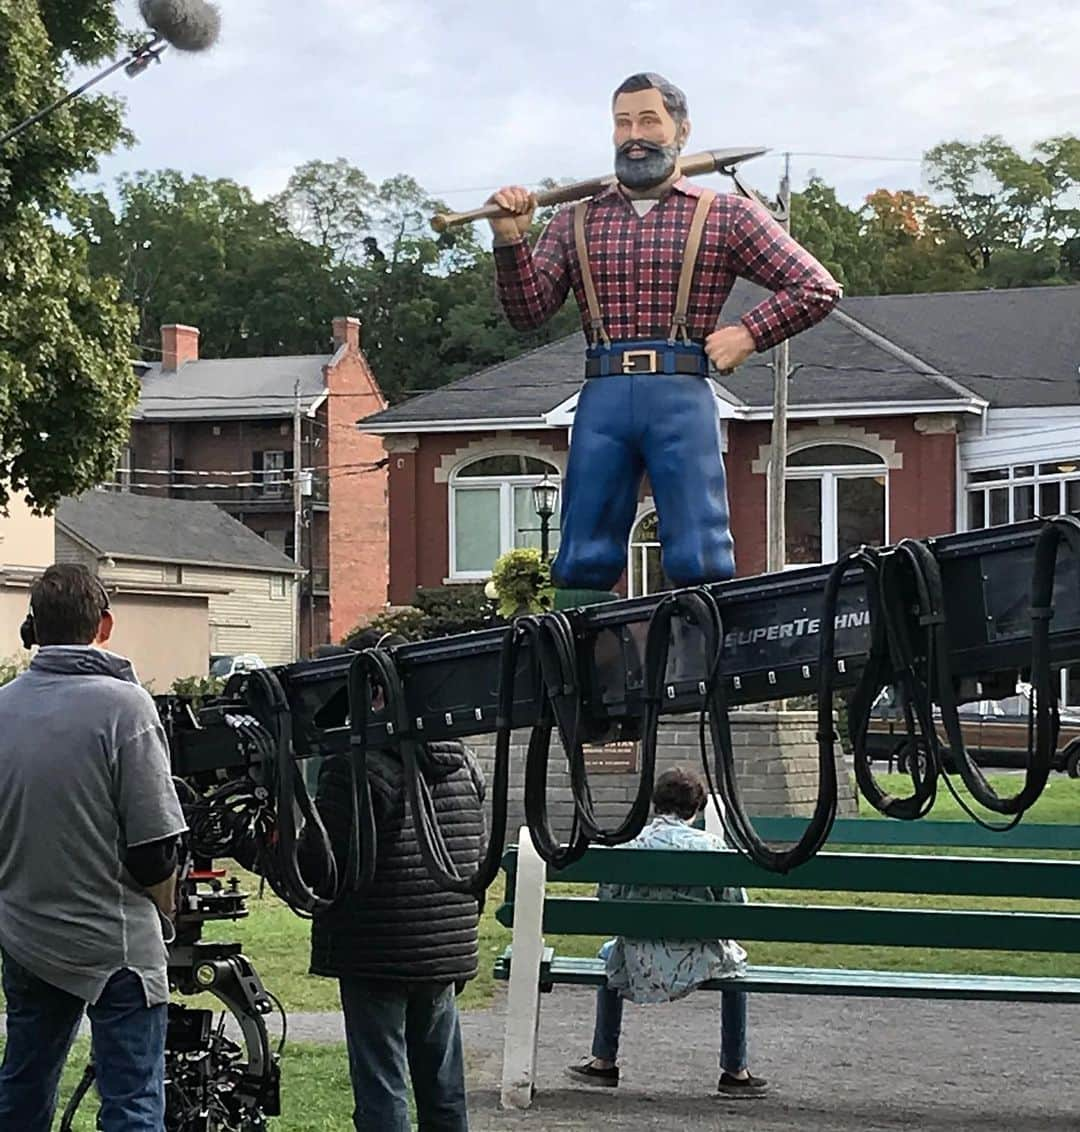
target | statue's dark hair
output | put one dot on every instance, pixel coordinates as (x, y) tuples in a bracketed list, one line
[(674, 99)]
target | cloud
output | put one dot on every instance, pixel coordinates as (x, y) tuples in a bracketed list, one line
[(469, 96)]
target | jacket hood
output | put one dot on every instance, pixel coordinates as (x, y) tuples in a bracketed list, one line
[(439, 760), (83, 660)]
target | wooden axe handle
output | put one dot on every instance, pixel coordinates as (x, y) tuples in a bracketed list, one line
[(693, 165)]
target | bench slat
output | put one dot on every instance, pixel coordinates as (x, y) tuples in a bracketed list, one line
[(842, 872), (574, 971), (966, 834), (886, 927)]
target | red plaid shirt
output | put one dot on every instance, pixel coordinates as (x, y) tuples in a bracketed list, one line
[(636, 261)]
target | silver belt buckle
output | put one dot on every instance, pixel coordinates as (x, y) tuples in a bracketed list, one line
[(631, 358)]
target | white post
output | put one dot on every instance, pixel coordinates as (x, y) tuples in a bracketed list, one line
[(523, 997)]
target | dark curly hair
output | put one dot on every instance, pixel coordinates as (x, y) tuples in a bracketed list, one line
[(679, 792)]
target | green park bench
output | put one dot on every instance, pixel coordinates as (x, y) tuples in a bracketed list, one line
[(532, 912)]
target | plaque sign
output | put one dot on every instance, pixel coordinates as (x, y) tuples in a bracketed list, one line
[(621, 757)]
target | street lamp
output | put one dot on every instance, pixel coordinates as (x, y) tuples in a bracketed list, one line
[(545, 494)]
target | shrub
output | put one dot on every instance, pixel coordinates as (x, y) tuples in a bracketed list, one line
[(198, 687), (10, 667), (436, 611), (522, 580)]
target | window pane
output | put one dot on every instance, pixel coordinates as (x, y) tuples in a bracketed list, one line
[(1049, 500), (999, 506), (987, 476), (1023, 471), (1062, 468), (976, 510), (507, 466), (647, 530), (1072, 495), (802, 522), (1023, 503), (822, 455), (860, 512), (527, 522), (476, 528)]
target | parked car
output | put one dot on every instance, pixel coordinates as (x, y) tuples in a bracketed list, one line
[(995, 734), (225, 666)]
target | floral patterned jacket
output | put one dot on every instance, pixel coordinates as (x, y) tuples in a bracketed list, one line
[(662, 970)]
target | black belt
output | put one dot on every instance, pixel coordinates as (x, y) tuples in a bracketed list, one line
[(615, 362)]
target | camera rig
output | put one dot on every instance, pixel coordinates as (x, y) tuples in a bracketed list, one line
[(939, 621)]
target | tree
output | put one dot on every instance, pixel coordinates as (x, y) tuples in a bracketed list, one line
[(834, 233), (998, 201), (206, 252), (330, 204), (65, 371)]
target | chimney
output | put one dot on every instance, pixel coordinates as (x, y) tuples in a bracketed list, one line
[(179, 344), (347, 333)]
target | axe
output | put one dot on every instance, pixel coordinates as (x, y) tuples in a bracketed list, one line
[(693, 165)]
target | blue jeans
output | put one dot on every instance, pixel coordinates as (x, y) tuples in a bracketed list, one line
[(609, 1010), (667, 425), (400, 1031), (128, 1039)]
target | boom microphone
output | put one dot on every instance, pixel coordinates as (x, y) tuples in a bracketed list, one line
[(187, 25)]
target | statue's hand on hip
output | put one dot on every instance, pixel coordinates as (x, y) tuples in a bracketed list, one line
[(729, 346)]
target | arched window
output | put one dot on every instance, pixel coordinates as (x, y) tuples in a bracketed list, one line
[(491, 511), (646, 574), (836, 499)]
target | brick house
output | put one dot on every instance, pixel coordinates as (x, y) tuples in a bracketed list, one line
[(237, 432), (909, 415)]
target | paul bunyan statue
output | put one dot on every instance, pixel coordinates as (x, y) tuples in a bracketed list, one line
[(651, 260)]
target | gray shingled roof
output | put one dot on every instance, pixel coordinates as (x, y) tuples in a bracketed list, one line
[(173, 530), (231, 387), (1014, 348), (838, 365)]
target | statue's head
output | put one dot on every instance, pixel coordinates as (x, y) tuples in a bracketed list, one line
[(651, 127)]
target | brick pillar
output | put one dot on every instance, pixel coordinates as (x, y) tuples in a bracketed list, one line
[(347, 333)]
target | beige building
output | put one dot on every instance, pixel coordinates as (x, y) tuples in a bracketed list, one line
[(187, 581), (26, 548)]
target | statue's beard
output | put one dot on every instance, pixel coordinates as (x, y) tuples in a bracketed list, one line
[(645, 172)]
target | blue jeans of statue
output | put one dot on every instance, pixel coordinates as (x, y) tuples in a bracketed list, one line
[(609, 1011), (625, 425), (401, 1031), (128, 1040)]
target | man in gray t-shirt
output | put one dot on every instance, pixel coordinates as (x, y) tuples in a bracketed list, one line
[(89, 821)]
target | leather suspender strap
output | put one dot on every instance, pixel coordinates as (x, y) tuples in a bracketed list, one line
[(599, 334), (690, 254)]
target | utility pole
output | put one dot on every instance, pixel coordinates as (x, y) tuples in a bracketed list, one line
[(298, 505), (778, 448)]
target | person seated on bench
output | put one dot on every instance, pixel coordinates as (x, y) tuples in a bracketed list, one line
[(666, 970)]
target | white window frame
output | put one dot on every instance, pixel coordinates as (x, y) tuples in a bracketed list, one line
[(828, 474), (641, 548), (1036, 481), (273, 473), (506, 486)]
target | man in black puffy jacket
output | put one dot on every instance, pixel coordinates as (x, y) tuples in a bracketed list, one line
[(401, 949)]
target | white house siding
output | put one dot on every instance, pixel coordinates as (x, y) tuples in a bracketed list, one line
[(1019, 436), (248, 618)]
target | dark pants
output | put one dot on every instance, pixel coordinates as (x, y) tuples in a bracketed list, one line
[(397, 1032), (128, 1040), (667, 425)]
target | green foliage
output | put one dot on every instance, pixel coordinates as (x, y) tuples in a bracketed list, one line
[(436, 611), (522, 582), (205, 252), (198, 687), (10, 667), (68, 388)]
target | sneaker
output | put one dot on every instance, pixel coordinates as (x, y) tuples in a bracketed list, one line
[(591, 1075), (748, 1087)]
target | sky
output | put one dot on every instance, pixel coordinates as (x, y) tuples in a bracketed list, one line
[(468, 96)]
